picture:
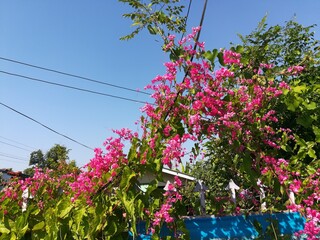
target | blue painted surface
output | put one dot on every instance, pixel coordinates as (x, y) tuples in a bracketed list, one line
[(233, 226)]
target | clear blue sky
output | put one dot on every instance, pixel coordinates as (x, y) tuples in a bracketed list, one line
[(82, 37)]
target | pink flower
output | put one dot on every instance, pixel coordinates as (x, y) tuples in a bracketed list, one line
[(295, 69), (284, 85), (294, 207), (230, 57), (177, 181), (223, 73), (295, 186), (171, 37), (201, 45), (167, 130), (267, 66), (282, 178)]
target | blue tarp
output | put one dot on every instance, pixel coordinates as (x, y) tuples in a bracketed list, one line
[(233, 227)]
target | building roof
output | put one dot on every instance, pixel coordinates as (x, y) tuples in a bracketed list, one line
[(11, 173), (179, 174), (168, 175)]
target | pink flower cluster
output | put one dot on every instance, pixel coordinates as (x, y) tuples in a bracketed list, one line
[(295, 69), (230, 57), (190, 36), (278, 166), (312, 226), (266, 66), (172, 196), (174, 150), (295, 186), (89, 181), (168, 46), (223, 73)]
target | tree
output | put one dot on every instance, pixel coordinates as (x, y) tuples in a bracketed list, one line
[(37, 158), (50, 159), (55, 154), (283, 47)]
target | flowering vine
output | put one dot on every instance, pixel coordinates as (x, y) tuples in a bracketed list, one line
[(229, 107)]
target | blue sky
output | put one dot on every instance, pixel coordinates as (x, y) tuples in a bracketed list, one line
[(82, 37)]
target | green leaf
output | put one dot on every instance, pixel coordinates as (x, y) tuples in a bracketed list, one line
[(64, 206), (21, 225), (310, 106), (129, 206), (153, 185), (36, 211), (215, 53), (276, 186), (310, 170), (220, 57), (301, 142), (239, 49), (285, 92), (299, 89), (152, 30), (112, 228), (13, 236), (208, 55), (305, 120), (211, 56), (38, 226), (316, 132), (246, 167), (3, 229), (175, 53), (312, 153), (127, 175), (293, 103), (262, 23), (158, 164)]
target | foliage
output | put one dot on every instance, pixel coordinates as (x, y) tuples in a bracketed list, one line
[(158, 16), (50, 159), (229, 114), (284, 47), (289, 54)]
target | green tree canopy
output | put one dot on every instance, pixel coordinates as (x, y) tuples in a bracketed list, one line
[(50, 159)]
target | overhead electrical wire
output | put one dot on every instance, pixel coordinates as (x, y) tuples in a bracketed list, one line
[(187, 16), (11, 161), (71, 87), (13, 156), (73, 75), (45, 126), (22, 144), (194, 49), (12, 145), (200, 25)]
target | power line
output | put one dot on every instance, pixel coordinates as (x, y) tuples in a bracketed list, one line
[(73, 75), (71, 87), (11, 161), (22, 144), (12, 145), (191, 59), (43, 125), (13, 156), (201, 23), (187, 16)]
